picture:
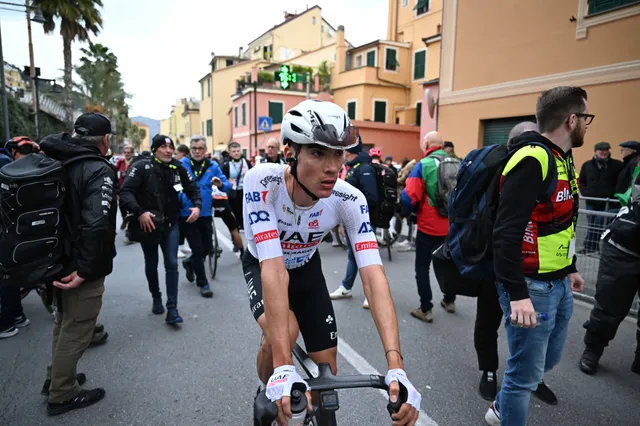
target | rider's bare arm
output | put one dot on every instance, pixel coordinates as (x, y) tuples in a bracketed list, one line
[(275, 284), (376, 289)]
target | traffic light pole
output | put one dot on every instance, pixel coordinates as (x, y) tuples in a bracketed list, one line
[(255, 118)]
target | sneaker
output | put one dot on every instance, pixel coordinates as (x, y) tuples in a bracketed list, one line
[(181, 255), (123, 226), (205, 291), (423, 316), (365, 304), (544, 394), (488, 386), (99, 328), (191, 277), (589, 360), (99, 339), (157, 308), (173, 317), (404, 244), (449, 307), (635, 366), (80, 377), (21, 321), (184, 249), (340, 293), (84, 399), (335, 244), (493, 415), (8, 331)]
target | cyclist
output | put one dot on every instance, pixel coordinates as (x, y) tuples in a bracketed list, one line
[(376, 155), (287, 212)]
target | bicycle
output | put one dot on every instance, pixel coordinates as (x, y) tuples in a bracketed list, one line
[(216, 252), (321, 379)]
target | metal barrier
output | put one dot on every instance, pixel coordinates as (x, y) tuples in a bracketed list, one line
[(591, 224)]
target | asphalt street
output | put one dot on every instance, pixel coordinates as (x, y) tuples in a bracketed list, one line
[(204, 372)]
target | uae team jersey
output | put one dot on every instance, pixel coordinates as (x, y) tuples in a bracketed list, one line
[(274, 227)]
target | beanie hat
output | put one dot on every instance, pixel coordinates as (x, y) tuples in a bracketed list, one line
[(159, 140)]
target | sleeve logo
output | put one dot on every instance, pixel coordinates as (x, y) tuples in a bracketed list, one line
[(265, 236), (367, 245), (255, 197)]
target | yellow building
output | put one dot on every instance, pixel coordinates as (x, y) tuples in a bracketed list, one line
[(13, 77), (496, 59), (384, 80), (183, 122), (165, 126), (191, 116), (145, 145)]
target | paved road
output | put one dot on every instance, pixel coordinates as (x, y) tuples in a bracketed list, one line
[(203, 374)]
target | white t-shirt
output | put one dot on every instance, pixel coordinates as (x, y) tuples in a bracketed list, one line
[(275, 227)]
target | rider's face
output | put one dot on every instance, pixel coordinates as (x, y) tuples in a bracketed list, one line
[(318, 168)]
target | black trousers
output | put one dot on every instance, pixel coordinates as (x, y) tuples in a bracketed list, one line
[(10, 304), (237, 203), (618, 283), (199, 234), (488, 319)]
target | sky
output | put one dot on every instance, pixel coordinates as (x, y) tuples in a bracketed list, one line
[(164, 46)]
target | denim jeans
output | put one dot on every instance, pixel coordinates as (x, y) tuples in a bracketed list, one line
[(199, 234), (352, 267), (425, 245), (532, 351), (169, 246)]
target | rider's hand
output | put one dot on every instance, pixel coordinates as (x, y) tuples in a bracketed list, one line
[(279, 391), (195, 214), (523, 315), (216, 181), (146, 221), (409, 411)]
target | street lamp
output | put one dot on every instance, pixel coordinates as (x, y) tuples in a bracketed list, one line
[(38, 18)]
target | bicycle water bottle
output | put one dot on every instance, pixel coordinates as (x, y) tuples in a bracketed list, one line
[(540, 316), (298, 408)]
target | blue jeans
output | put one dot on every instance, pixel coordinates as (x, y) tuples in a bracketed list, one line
[(352, 268), (532, 351), (169, 246)]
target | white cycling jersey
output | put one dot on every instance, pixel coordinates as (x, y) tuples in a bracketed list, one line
[(275, 227)]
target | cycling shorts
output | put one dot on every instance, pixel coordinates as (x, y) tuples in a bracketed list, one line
[(222, 209), (308, 300)]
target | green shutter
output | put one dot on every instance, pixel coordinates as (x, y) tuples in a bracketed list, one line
[(418, 113), (244, 152), (419, 64), (599, 6), (208, 87), (235, 116), (244, 114), (380, 111), (371, 58), (202, 90), (276, 112), (391, 62), (497, 131), (422, 7), (209, 127), (351, 110)]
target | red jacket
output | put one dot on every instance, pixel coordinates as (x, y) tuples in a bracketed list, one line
[(123, 168)]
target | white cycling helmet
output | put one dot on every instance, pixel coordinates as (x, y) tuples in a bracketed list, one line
[(319, 122)]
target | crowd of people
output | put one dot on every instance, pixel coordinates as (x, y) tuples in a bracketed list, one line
[(286, 203)]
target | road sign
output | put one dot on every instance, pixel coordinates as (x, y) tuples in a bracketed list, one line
[(264, 124)]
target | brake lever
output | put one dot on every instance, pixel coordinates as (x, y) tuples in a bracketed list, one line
[(394, 407)]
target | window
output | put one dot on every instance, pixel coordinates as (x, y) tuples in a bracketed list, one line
[(322, 28), (422, 7), (313, 20), (497, 130), (244, 113), (235, 116), (380, 111), (202, 128), (244, 152), (351, 109), (391, 61), (405, 3), (371, 58), (358, 63), (418, 113), (599, 6), (419, 64), (209, 87), (209, 127), (202, 90), (229, 62), (276, 111)]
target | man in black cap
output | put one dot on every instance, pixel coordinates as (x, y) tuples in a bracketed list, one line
[(450, 149), (598, 178), (151, 194), (90, 209), (630, 151)]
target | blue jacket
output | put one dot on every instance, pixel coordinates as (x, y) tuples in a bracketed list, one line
[(206, 191), (5, 157), (362, 176)]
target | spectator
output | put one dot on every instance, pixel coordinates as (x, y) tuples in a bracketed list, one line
[(598, 178), (376, 155), (235, 168), (273, 154), (91, 192), (419, 194), (630, 151), (388, 161), (150, 193), (534, 251), (5, 156), (449, 149), (182, 151), (183, 250), (123, 165)]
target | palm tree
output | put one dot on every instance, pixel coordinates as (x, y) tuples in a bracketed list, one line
[(78, 20)]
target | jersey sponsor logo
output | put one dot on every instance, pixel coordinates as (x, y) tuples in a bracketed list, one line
[(316, 214), (265, 236), (528, 233), (299, 219), (314, 224), (284, 223), (259, 216), (334, 335), (365, 228), (269, 179), (344, 196), (364, 209), (108, 181), (564, 195), (297, 237), (255, 197), (286, 209), (298, 246), (367, 245), (295, 260)]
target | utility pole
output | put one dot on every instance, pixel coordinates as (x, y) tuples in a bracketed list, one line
[(308, 80), (32, 75), (5, 106)]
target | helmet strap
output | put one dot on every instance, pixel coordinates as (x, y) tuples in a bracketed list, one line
[(294, 172)]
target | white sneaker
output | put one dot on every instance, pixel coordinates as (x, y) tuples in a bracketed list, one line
[(340, 293), (365, 304), (493, 416), (335, 244), (184, 249), (181, 255), (403, 244)]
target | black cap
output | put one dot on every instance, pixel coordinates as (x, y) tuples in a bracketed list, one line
[(92, 124), (356, 149), (159, 140), (631, 145), (602, 146), (447, 144)]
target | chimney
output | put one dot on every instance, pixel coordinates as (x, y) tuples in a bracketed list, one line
[(288, 16), (240, 53), (341, 49)]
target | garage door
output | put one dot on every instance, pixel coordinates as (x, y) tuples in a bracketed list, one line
[(497, 130)]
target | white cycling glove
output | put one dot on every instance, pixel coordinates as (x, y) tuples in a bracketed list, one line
[(398, 375), (281, 381)]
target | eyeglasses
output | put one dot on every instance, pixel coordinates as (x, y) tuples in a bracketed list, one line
[(588, 118), (272, 147), (198, 148)]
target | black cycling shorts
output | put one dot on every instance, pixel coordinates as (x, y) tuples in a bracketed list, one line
[(308, 300), (222, 209)]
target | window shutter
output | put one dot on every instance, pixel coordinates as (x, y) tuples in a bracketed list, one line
[(391, 60), (497, 131), (598, 6), (351, 110), (380, 112), (419, 64), (276, 112), (418, 113), (371, 58)]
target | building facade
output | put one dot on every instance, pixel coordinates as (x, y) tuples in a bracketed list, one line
[(145, 145)]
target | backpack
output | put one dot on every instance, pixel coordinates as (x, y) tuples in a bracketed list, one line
[(33, 225), (447, 176), (473, 205), (385, 208)]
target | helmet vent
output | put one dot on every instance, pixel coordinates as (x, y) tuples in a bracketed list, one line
[(295, 112)]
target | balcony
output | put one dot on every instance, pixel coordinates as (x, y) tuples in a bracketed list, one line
[(354, 77)]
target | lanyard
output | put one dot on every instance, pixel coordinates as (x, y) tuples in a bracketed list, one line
[(197, 173)]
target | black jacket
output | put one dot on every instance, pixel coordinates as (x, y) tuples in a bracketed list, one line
[(598, 179), (5, 157), (279, 160), (626, 174), (625, 229), (90, 206), (362, 176), (151, 186)]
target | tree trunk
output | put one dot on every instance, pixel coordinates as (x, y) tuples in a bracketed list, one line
[(68, 82)]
